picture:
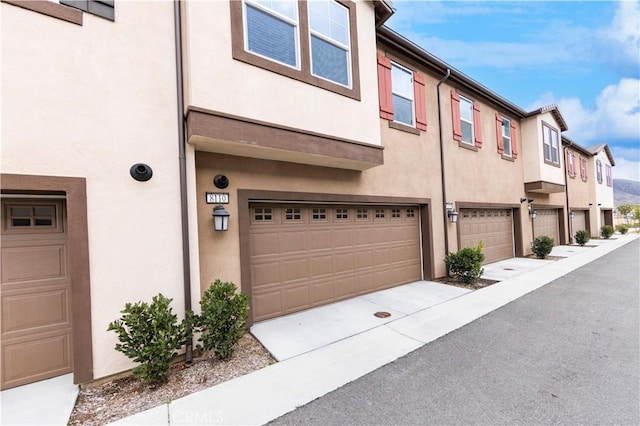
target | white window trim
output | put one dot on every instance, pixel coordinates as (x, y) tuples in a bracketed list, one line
[(472, 142), (412, 99), (504, 146), (281, 17), (547, 139), (335, 43)]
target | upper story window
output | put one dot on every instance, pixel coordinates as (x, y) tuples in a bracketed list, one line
[(506, 137), (571, 164), (402, 96), (314, 42), (466, 121), (599, 171), (550, 145), (103, 8), (330, 43), (583, 168), (609, 175), (402, 90), (271, 30)]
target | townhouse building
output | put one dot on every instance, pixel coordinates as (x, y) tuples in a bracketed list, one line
[(343, 157)]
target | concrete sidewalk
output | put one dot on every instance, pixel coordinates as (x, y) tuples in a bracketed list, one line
[(266, 394)]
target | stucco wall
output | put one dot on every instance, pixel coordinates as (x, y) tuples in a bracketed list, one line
[(218, 82), (599, 192), (90, 101)]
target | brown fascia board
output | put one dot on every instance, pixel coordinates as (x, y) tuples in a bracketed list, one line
[(383, 10), (553, 109), (595, 149), (570, 143), (400, 44)]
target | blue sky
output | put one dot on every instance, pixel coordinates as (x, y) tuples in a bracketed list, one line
[(582, 56)]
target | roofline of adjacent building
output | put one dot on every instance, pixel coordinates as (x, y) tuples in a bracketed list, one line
[(383, 10), (596, 149), (572, 144), (401, 44)]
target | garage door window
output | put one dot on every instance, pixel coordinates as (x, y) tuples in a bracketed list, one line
[(25, 217), (263, 214), (319, 215), (379, 214), (342, 214), (411, 213), (293, 215), (362, 214)]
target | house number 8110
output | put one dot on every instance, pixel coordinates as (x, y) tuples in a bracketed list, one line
[(217, 198)]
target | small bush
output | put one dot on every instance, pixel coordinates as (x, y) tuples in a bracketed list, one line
[(222, 319), (149, 335), (606, 231), (622, 228), (582, 237), (542, 246), (466, 263)]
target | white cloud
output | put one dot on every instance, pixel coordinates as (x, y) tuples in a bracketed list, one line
[(619, 44), (616, 114)]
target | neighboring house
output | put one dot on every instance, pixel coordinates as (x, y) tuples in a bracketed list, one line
[(580, 182), (342, 152), (601, 189)]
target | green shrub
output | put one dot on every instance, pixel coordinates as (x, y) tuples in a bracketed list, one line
[(466, 263), (582, 237), (149, 335), (622, 228), (222, 318), (542, 246), (606, 231)]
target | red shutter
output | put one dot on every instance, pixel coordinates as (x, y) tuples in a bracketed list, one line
[(568, 164), (384, 87), (420, 100), (477, 128), (514, 140), (499, 134), (586, 175), (455, 115)]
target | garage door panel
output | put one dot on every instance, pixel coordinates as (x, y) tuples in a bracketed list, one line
[(296, 297), (322, 292), (345, 287), (579, 222), (266, 273), (265, 243), (363, 254), (23, 361), (343, 262), (293, 242), (50, 262), (46, 309), (546, 224)]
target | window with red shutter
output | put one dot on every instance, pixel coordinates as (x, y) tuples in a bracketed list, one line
[(455, 116), (499, 140), (420, 101), (514, 140), (384, 87), (477, 128)]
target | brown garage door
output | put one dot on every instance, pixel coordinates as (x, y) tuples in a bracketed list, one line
[(579, 222), (494, 227), (36, 314), (307, 255), (546, 223)]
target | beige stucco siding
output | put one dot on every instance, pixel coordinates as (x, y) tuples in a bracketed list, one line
[(599, 192), (90, 101), (218, 82)]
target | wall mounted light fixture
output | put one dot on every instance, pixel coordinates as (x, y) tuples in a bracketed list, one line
[(532, 212), (453, 215), (522, 200), (571, 214), (220, 218)]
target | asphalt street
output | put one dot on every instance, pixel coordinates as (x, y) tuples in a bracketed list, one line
[(568, 353)]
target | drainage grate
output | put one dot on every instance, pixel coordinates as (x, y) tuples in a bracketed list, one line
[(508, 269), (382, 314)]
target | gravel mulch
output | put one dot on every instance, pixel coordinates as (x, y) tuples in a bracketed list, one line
[(108, 402), (455, 281)]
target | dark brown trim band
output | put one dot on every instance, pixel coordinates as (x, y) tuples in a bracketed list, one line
[(246, 196), (49, 8), (248, 135), (78, 240), (475, 205), (544, 187)]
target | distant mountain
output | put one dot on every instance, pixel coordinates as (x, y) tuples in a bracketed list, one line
[(626, 192)]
